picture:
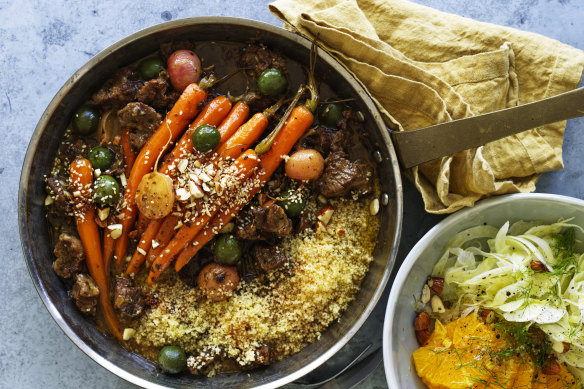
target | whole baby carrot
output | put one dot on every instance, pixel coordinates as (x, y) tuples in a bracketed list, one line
[(81, 175)]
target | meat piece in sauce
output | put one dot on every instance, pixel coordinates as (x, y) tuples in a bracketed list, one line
[(158, 93), (325, 140), (269, 258), (258, 58), (276, 222), (197, 363), (262, 355), (128, 300), (70, 256), (218, 282), (119, 91), (342, 176), (263, 222), (249, 223), (85, 294), (143, 119), (139, 116), (58, 189)]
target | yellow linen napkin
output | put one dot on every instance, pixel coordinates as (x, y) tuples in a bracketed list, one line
[(424, 67)]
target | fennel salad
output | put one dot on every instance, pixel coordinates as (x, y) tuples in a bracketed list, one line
[(525, 272)]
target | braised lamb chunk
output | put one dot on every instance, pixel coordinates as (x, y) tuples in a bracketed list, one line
[(85, 294), (139, 116), (259, 223), (128, 300), (262, 355), (269, 258), (70, 256), (58, 189), (325, 140), (342, 176), (248, 224), (119, 90), (197, 364), (258, 58), (158, 93), (306, 222), (276, 222), (142, 119)]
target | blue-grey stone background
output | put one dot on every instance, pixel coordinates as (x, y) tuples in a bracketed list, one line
[(42, 43)]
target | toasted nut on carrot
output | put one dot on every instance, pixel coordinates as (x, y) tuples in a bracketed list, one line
[(423, 337), (426, 295), (422, 321), (552, 367), (437, 304), (436, 284), (488, 316), (538, 266)]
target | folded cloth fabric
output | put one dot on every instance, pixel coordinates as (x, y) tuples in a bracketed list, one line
[(424, 67)]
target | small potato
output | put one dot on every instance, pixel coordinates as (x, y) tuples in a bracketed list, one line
[(218, 282), (306, 164), (155, 195), (184, 68)]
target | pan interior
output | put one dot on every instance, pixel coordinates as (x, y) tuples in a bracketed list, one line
[(48, 133)]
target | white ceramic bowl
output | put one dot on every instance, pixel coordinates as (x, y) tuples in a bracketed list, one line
[(399, 340)]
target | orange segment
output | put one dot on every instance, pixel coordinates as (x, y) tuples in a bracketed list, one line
[(465, 353), (563, 380)]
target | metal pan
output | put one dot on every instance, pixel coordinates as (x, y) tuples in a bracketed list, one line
[(44, 143)]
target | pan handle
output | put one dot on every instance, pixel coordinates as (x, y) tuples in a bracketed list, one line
[(428, 143)]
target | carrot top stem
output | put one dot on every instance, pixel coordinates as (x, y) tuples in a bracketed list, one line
[(271, 111), (265, 144), (211, 80), (312, 102)]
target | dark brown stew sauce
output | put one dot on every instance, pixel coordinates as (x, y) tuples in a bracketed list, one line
[(348, 172)]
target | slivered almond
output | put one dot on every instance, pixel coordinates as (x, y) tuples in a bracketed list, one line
[(374, 206), (204, 177), (115, 230), (319, 227), (103, 213), (426, 295), (437, 304), (182, 194), (49, 200), (182, 165), (325, 214)]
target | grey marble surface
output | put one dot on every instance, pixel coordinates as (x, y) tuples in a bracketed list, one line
[(43, 42)]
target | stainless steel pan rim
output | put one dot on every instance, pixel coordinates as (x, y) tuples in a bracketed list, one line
[(30, 204)]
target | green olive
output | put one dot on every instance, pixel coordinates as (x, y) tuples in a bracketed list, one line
[(101, 158), (272, 82), (227, 250), (206, 138), (172, 359), (292, 202), (85, 120), (331, 114), (150, 68), (106, 190)]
